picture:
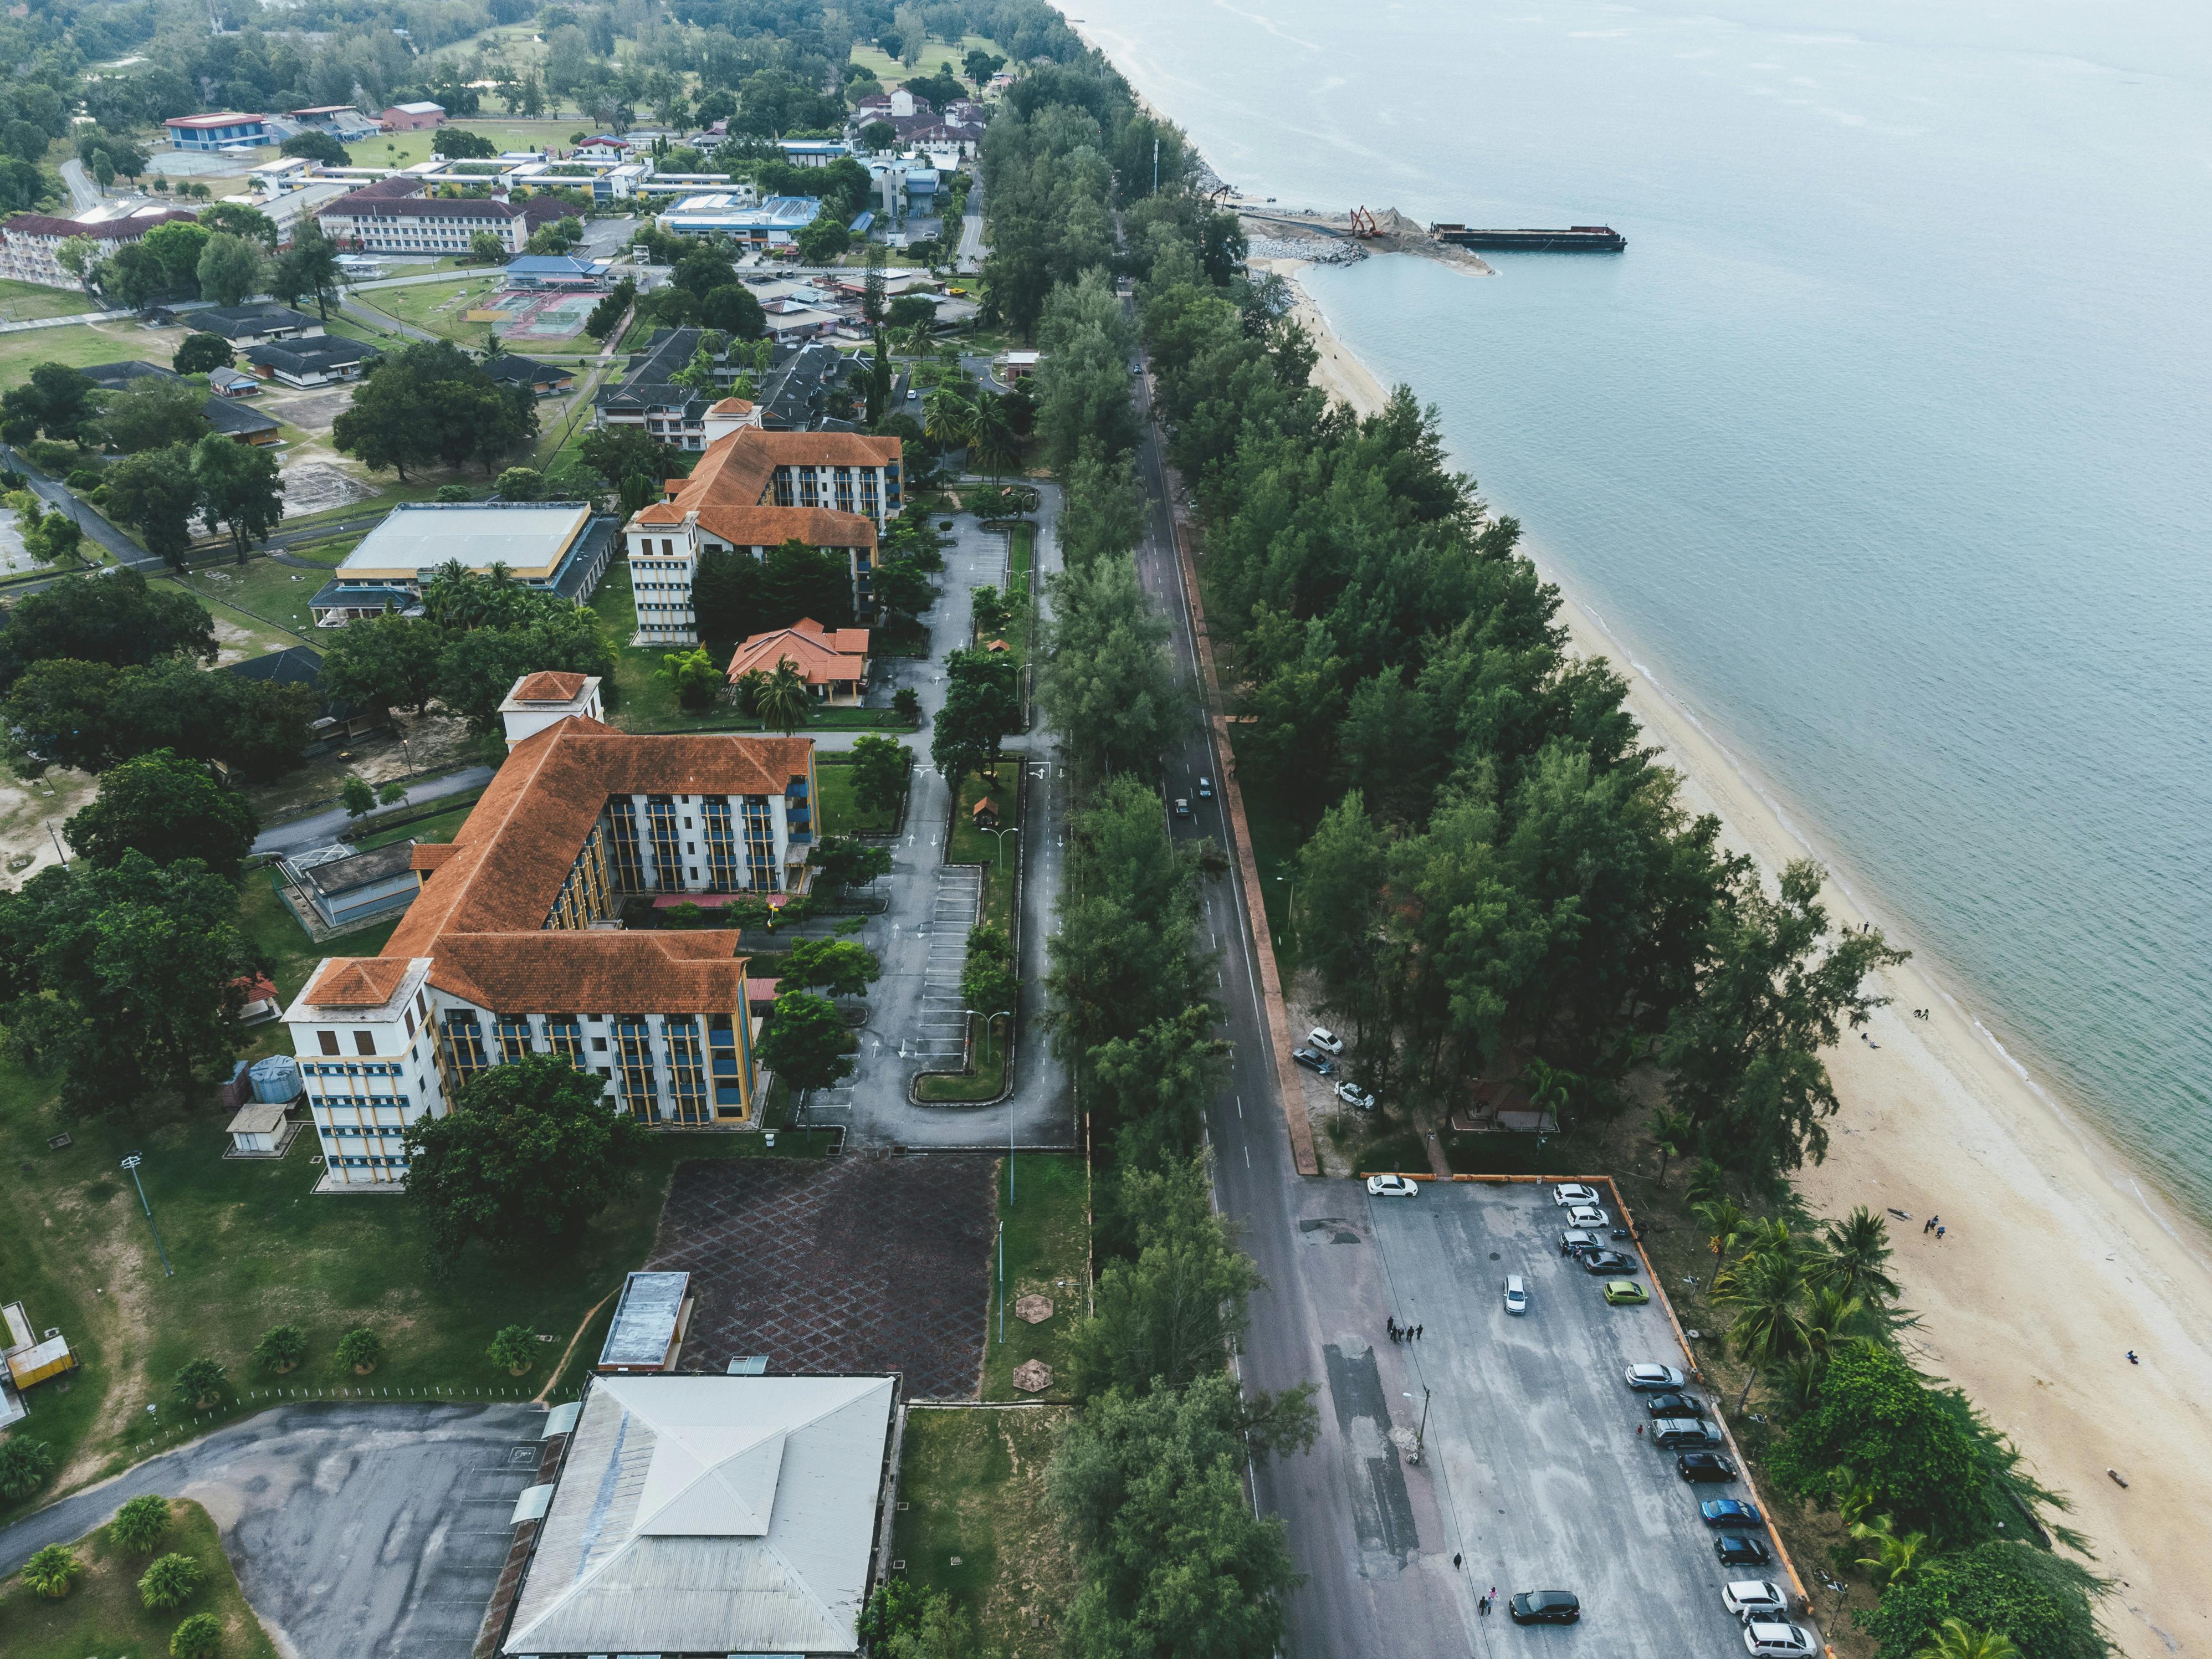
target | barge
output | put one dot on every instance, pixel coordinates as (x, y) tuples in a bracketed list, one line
[(1582, 239)]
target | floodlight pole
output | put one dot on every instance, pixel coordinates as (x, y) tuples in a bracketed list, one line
[(132, 1163)]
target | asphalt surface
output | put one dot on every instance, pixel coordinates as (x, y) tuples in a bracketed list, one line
[(353, 1528), (321, 828)]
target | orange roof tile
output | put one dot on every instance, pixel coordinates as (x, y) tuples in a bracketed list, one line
[(731, 406), (358, 981), (821, 656), (772, 527), (729, 486), (548, 686), (430, 855)]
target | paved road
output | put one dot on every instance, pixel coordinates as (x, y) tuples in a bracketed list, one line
[(914, 1022), (28, 324), (354, 1528), (321, 828), (51, 490), (84, 191), (1370, 1539)]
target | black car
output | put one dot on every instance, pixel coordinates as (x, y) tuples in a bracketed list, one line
[(1701, 1466), (1545, 1607), (1675, 1405), (1737, 1549), (1608, 1261), (1314, 1061)]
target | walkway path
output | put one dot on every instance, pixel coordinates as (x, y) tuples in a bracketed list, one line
[(321, 828)]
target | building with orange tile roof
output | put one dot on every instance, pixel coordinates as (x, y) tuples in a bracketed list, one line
[(834, 661), (752, 491), (515, 944)]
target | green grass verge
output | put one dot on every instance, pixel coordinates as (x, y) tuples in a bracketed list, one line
[(81, 343), (404, 149), (103, 1614), (19, 302), (271, 596), (935, 50), (978, 1526), (969, 845), (442, 827), (835, 811), (441, 308), (1045, 1210)]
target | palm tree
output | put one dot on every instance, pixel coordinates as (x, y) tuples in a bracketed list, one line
[(948, 417), (452, 597), (1833, 1320), (1551, 1089), (994, 439), (782, 700), (1894, 1560), (51, 1571), (1672, 1130), (1796, 1382), (1957, 1639), (1725, 1224), (1707, 1184), (1765, 1290), (1858, 1250)]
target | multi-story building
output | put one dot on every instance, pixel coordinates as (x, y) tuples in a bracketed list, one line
[(751, 492), (772, 223), (515, 944), (230, 130), (394, 216), (412, 118), (29, 241), (557, 547)]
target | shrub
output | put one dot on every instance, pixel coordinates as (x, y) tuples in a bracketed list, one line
[(25, 1466), (170, 1582), (361, 1348), (281, 1349), (515, 1347), (201, 1383), (49, 455), (52, 1571), (140, 1523), (454, 492), (906, 702), (199, 1637), (2043, 1602), (84, 478)]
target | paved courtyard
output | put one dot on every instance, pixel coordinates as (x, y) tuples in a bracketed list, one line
[(863, 1263)]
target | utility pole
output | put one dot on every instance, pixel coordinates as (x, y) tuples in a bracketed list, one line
[(131, 1162), (1420, 1435), (1156, 166)]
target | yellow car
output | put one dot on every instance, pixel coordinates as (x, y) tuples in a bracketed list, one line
[(1625, 1293)]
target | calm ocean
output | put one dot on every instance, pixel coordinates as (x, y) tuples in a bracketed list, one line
[(1886, 447)]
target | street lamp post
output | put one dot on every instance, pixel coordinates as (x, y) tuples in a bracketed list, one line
[(1420, 1435), (131, 1162), (1007, 1014), (997, 856)]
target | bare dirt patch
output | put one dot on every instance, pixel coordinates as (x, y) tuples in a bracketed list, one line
[(313, 486), (311, 411), (32, 812)]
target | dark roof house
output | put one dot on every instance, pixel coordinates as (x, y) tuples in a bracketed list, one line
[(232, 419), (252, 322)]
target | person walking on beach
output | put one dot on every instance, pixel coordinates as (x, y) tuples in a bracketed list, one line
[(1939, 1234), (1928, 1225), (1456, 1560), (1418, 1330), (2132, 1360)]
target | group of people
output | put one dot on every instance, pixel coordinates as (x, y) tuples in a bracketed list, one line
[(1935, 1224), (1401, 1333)]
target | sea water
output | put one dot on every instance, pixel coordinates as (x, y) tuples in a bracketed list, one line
[(1887, 445)]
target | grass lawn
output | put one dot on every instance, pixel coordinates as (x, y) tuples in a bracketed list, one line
[(1046, 1217), (405, 148), (284, 944), (935, 50), (444, 826), (22, 301), (978, 1526), (102, 1614), (82, 343), (835, 808), (270, 598), (441, 308)]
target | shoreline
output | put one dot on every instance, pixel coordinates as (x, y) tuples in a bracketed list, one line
[(2046, 1279)]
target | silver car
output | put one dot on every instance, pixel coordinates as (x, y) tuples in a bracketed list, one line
[(1655, 1376)]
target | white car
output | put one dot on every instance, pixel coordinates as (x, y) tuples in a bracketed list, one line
[(1326, 1040), (1353, 1095), (1574, 1192), (1587, 1215), (1655, 1376), (1775, 1641), (1391, 1186), (1517, 1296), (1754, 1598)]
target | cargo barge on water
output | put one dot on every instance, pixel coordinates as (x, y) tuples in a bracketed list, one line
[(1579, 239)]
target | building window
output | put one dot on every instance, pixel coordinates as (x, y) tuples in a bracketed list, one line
[(364, 1042), (760, 845), (465, 1045), (667, 857), (629, 865), (564, 1033), (686, 1077), (513, 1032), (329, 1042), (726, 1058), (635, 1038), (726, 870)]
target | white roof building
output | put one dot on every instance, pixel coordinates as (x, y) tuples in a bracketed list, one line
[(700, 1515)]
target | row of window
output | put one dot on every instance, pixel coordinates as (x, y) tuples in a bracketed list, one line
[(373, 1161), (351, 1068), (404, 1102)]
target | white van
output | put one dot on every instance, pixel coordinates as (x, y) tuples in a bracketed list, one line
[(1517, 1295)]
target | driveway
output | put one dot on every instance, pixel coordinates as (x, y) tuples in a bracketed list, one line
[(354, 1528), (321, 828)]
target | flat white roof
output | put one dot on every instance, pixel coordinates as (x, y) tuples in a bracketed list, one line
[(417, 537)]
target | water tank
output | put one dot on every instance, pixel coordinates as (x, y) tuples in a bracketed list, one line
[(276, 1080)]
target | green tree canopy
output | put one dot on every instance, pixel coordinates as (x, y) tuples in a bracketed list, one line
[(157, 492), (240, 488), (807, 1043), (153, 413), (167, 808)]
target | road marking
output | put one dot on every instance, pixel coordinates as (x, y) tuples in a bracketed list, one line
[(1240, 1105), (1248, 1157)]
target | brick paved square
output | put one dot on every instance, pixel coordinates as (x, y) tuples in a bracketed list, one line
[(857, 1264)]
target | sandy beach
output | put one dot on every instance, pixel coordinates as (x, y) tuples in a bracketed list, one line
[(2057, 1258)]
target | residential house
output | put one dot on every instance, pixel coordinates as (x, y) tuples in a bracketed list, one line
[(834, 661), (558, 547), (231, 130), (543, 379), (232, 383), (251, 324), (604, 148), (752, 491), (325, 360), (800, 385), (515, 944), (335, 722), (650, 396), (413, 118), (246, 426), (29, 241), (696, 1514)]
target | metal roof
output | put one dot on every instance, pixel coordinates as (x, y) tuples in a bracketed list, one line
[(644, 1319), (529, 538), (711, 1514)]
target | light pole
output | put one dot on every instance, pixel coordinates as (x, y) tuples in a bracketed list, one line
[(997, 858), (1007, 1014), (131, 1162), (1421, 1435)]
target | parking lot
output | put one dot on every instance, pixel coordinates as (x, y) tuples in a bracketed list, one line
[(1532, 1450)]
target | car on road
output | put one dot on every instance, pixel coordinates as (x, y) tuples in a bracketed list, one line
[(1587, 1215), (1182, 807), (1746, 1598), (1680, 1433), (1704, 1466), (1517, 1295), (1671, 1404), (1205, 789), (1777, 1641), (1391, 1186), (1545, 1607), (1314, 1061), (1737, 1549), (1650, 1376), (1625, 1293), (1729, 1512), (1608, 1261), (1325, 1040), (1573, 1192), (1135, 365), (912, 393), (1574, 1241), (1353, 1095)]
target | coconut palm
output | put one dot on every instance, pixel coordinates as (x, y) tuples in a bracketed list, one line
[(1856, 1254), (1834, 1321), (948, 417), (1672, 1130), (1724, 1223), (51, 1571), (1892, 1560), (1855, 1496), (1796, 1382), (1551, 1088), (782, 701), (1708, 1182), (994, 440), (1957, 1639), (451, 596), (1765, 1290)]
